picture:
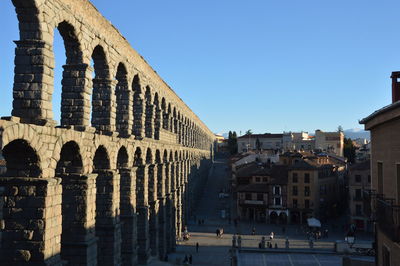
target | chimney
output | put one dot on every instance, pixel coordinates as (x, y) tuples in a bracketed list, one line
[(395, 86)]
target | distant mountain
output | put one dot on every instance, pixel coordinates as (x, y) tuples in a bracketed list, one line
[(355, 133)]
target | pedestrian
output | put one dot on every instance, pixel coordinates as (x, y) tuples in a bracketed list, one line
[(185, 259), (271, 235), (253, 231), (270, 244), (276, 245), (287, 243), (197, 247), (234, 240), (190, 259), (217, 232), (239, 241)]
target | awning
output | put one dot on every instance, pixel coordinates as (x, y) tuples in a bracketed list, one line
[(312, 222)]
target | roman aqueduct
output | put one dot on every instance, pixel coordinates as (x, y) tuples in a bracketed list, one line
[(115, 183)]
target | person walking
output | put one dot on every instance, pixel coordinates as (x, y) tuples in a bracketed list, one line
[(197, 247), (287, 243)]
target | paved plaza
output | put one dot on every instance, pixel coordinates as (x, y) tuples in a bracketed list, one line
[(215, 250), (262, 259)]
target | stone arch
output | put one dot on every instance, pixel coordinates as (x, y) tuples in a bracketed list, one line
[(101, 159), (74, 78), (179, 129), (21, 159), (74, 202), (124, 119), (175, 121), (122, 158), (170, 124), (70, 159), (137, 159), (164, 113), (149, 156), (102, 94), (149, 126), (138, 108), (157, 116)]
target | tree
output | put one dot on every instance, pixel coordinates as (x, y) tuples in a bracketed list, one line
[(349, 150), (248, 132), (232, 142)]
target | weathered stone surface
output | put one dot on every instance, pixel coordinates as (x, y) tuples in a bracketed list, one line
[(114, 183)]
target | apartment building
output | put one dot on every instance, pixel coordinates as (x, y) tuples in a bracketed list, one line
[(384, 125), (359, 178)]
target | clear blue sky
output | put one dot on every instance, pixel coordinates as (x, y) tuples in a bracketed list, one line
[(263, 65)]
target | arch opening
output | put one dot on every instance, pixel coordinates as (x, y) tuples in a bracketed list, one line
[(21, 159)]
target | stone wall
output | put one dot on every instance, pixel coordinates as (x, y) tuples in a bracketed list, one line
[(115, 183)]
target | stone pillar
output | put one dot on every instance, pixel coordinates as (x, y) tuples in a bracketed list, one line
[(33, 82), (75, 96), (149, 121), (173, 206), (161, 216), (178, 194), (128, 216), (124, 111), (103, 104), (179, 132), (169, 234), (153, 204), (138, 115), (78, 240), (31, 223), (108, 227), (142, 206)]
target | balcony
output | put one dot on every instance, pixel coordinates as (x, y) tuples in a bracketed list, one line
[(253, 202), (388, 218)]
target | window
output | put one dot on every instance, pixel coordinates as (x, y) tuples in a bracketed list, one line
[(294, 203), (295, 192), (358, 178), (306, 178), (295, 177), (307, 204), (277, 201), (358, 210), (380, 177), (307, 191), (264, 179), (258, 180), (260, 196), (358, 194), (323, 189), (277, 190), (248, 196)]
